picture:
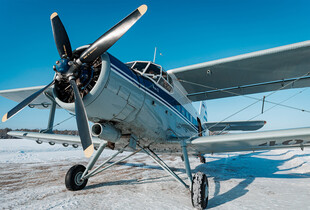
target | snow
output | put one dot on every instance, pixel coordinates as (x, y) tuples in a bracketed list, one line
[(32, 177)]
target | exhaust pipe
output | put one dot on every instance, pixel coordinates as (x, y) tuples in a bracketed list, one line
[(106, 131)]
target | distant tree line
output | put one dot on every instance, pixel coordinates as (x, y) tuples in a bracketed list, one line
[(4, 135)]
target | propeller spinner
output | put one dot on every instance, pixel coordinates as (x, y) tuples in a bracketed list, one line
[(68, 68)]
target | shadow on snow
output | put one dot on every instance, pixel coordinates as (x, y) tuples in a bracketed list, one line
[(246, 167)]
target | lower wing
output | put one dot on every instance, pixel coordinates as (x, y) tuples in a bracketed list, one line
[(265, 140), (54, 138)]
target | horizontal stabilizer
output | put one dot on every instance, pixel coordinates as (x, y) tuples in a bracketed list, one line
[(265, 140), (234, 125)]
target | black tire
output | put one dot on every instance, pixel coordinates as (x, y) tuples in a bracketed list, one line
[(75, 145), (72, 179), (65, 144), (51, 143), (200, 191), (39, 141)]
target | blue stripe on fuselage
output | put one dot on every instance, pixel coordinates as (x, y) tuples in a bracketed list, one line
[(154, 90)]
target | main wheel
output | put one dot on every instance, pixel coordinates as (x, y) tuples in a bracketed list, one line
[(200, 191), (73, 178)]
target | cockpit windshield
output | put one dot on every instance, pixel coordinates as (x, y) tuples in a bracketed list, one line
[(152, 71)]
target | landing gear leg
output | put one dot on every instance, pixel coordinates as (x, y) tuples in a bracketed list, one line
[(199, 183), (186, 161), (77, 176), (162, 164)]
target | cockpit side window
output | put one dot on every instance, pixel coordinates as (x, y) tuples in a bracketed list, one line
[(170, 80), (164, 82)]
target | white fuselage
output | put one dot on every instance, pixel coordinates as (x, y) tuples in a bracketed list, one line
[(137, 105)]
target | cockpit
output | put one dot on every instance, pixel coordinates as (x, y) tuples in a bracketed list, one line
[(152, 71)]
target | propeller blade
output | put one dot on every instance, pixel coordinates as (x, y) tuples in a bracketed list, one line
[(82, 122), (110, 37), (24, 103), (61, 37)]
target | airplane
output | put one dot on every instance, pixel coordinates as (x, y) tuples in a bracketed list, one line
[(140, 107)]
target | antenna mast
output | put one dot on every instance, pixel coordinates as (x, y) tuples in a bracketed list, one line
[(154, 55)]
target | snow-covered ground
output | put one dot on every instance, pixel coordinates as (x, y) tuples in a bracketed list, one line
[(32, 177)]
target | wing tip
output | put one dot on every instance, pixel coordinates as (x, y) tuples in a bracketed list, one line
[(142, 9), (5, 117), (89, 151), (54, 15)]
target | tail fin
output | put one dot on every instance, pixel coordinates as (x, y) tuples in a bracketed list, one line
[(203, 115)]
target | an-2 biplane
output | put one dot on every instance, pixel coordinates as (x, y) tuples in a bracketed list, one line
[(138, 106)]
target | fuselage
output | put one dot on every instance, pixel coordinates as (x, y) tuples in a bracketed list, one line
[(138, 104)]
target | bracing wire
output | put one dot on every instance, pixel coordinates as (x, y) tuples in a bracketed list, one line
[(250, 97), (281, 102)]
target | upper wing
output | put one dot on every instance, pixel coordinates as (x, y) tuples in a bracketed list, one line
[(265, 140), (267, 70), (55, 138), (20, 94)]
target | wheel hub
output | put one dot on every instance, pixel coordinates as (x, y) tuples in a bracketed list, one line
[(77, 179)]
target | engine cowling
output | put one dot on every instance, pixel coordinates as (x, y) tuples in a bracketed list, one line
[(109, 96)]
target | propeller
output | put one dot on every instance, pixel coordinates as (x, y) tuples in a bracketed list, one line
[(61, 37), (82, 122), (111, 36), (68, 69)]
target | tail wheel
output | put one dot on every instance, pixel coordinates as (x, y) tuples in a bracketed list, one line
[(73, 178), (200, 191)]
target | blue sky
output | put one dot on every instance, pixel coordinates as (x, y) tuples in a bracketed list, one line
[(185, 32)]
